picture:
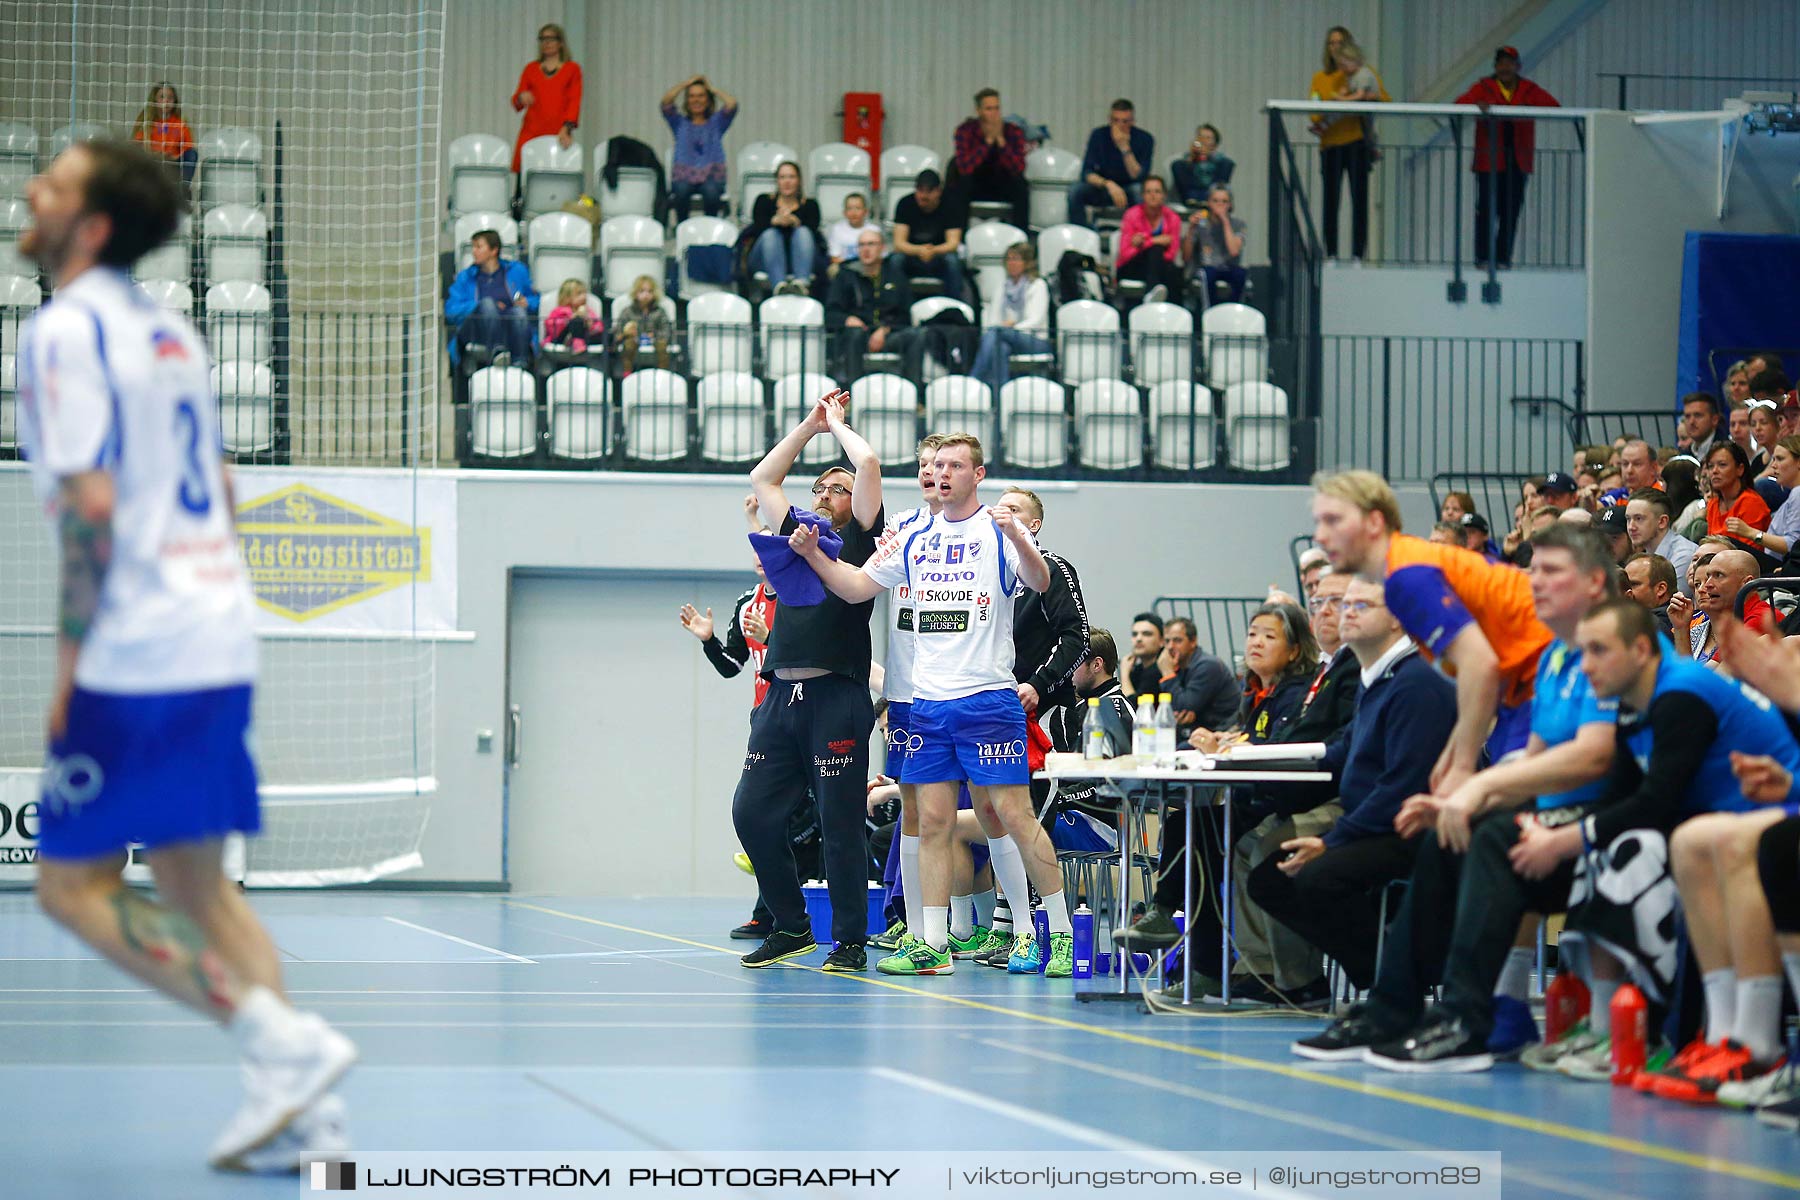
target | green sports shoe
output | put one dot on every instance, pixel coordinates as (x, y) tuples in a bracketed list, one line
[(995, 951), (1026, 958), (1062, 956), (970, 946), (916, 958), (1545, 1055), (891, 939)]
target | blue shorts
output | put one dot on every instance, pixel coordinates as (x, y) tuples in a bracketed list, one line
[(1078, 832), (979, 738), (159, 770), (1512, 729), (901, 740)]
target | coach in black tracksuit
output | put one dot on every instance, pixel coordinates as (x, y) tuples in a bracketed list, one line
[(1050, 630)]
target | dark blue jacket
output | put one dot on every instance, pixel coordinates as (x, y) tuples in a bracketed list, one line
[(1103, 158), (1402, 721)]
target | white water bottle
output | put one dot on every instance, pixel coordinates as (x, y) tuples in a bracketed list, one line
[(1093, 736), (1143, 732), (1165, 730)]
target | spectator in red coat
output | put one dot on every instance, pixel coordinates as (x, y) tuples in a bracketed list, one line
[(1502, 172), (990, 160), (549, 94)]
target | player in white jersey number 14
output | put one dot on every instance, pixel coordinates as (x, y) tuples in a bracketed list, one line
[(155, 650)]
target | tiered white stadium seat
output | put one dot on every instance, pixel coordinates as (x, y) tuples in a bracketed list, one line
[(701, 231), (1233, 339), (173, 260), (833, 171), (1162, 343), (246, 394), (503, 412), (1057, 240), (470, 224), (561, 246), (170, 295), (239, 322), (1181, 425), (656, 415), (885, 410), (959, 404), (900, 166), (1109, 420), (756, 165), (15, 217), (236, 242), (1031, 418), (732, 417), (19, 298), (230, 167), (1049, 170), (718, 333), (552, 176), (629, 247), (1087, 341), (794, 395), (793, 335), (923, 311), (1256, 420), (480, 174), (580, 415), (79, 131), (18, 157), (634, 197), (985, 246)]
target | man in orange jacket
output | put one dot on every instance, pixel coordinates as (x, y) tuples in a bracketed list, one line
[(1502, 171)]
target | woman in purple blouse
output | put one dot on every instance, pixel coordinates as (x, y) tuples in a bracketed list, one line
[(699, 164)]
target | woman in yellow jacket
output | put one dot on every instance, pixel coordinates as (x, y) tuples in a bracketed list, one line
[(1345, 148)]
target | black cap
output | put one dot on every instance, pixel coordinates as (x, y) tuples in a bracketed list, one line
[(1611, 520), (928, 179), (1559, 481), (1475, 521)]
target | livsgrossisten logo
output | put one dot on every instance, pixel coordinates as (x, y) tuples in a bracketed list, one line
[(311, 553)]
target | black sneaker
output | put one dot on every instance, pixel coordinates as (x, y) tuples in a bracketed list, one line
[(1440, 1044), (847, 957), (1156, 929), (753, 930), (779, 947), (1346, 1038)]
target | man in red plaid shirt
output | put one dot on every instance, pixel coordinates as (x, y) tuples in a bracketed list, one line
[(990, 160)]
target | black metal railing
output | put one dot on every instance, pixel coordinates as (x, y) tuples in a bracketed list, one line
[(1220, 622), (1496, 495), (1659, 426), (1643, 90)]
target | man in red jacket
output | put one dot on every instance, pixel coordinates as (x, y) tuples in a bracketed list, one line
[(1502, 171)]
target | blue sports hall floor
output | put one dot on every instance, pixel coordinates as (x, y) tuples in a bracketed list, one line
[(508, 1022)]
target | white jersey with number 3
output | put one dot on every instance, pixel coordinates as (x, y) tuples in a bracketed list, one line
[(110, 382), (962, 576)]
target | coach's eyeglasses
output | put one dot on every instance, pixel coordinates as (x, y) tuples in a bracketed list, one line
[(1321, 603), (834, 489), (1356, 608)]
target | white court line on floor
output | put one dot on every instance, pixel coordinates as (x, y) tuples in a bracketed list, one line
[(691, 1026), (451, 937), (683, 953)]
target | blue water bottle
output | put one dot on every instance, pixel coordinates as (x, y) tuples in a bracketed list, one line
[(1040, 923), (1082, 921)]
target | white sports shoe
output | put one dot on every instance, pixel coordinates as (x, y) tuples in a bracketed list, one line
[(322, 1131), (284, 1075)]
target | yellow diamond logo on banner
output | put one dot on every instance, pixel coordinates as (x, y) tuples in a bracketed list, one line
[(310, 553)]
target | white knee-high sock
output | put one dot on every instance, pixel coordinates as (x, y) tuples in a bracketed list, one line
[(909, 884), (1757, 1022), (937, 928), (984, 909), (1056, 910), (1009, 871), (1515, 977), (962, 917), (1721, 1003)]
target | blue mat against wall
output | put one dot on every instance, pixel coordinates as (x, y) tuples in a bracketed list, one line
[(1737, 294)]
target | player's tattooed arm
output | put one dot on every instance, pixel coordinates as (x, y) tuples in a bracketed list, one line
[(172, 941), (86, 533)]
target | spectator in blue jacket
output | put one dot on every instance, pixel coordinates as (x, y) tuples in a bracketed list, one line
[(1119, 155), (492, 303), (1328, 889)]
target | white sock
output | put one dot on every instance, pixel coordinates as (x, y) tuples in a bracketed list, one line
[(1721, 1003), (984, 909), (909, 883), (1791, 964), (962, 913), (1002, 914), (1057, 910), (1009, 871), (259, 1012), (1515, 976), (1757, 1022), (1600, 1011), (937, 927)]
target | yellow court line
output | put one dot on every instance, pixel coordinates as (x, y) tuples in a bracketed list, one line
[(1603, 1141)]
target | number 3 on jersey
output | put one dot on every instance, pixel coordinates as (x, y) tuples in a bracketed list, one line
[(192, 489)]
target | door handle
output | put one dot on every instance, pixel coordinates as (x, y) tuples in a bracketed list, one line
[(515, 728)]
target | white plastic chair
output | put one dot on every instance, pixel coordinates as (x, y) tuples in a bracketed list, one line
[(1087, 341), (885, 410), (1109, 420), (629, 247), (580, 416), (15, 217), (833, 171), (957, 403), (1032, 420), (1256, 422), (984, 248), (718, 333), (635, 196), (756, 165), (18, 157), (19, 298), (246, 394), (239, 322), (173, 260), (1181, 425), (654, 404), (561, 247), (1057, 240), (503, 412), (793, 335), (701, 231), (170, 295), (80, 131), (472, 223), (1233, 337), (550, 175), (480, 174), (794, 395), (230, 167), (1162, 343), (922, 311), (1049, 170), (9, 401), (900, 167), (236, 240), (733, 418)]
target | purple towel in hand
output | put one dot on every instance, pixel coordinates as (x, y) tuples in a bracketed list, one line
[(796, 584)]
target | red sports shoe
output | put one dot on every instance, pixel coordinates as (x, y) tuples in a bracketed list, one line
[(1690, 1054), (1730, 1062)]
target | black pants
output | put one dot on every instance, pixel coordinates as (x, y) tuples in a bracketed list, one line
[(851, 344), (1499, 198), (814, 731), (1467, 953), (1350, 159), (1150, 266), (1335, 900), (804, 836), (989, 182)]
